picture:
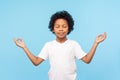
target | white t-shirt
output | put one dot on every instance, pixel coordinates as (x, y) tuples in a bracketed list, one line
[(62, 59)]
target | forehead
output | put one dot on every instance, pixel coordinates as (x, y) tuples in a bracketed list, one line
[(61, 21)]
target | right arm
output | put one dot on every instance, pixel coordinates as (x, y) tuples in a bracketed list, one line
[(35, 60)]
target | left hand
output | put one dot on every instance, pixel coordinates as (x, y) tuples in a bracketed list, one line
[(100, 38), (19, 42)]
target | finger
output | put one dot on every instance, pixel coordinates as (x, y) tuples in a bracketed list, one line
[(105, 34), (20, 39), (101, 36), (15, 40)]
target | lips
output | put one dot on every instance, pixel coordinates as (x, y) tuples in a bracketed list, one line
[(60, 33)]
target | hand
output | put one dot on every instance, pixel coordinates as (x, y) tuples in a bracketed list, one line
[(19, 42), (100, 38)]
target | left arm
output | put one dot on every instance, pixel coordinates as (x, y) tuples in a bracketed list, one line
[(87, 59)]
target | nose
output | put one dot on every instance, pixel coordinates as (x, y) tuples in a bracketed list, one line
[(60, 29)]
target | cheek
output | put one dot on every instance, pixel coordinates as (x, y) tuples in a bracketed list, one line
[(67, 30), (54, 30)]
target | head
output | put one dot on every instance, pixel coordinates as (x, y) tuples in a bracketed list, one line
[(59, 18)]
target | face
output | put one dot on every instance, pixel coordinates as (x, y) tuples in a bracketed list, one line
[(60, 28)]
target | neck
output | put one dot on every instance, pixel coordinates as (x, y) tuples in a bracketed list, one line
[(61, 40)]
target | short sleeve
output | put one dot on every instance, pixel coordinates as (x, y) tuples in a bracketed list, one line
[(44, 52), (79, 53)]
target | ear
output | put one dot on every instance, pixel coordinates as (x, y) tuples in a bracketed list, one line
[(53, 31)]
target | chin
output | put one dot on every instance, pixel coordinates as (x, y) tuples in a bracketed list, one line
[(61, 37)]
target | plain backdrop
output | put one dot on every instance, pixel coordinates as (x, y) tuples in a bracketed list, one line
[(29, 19)]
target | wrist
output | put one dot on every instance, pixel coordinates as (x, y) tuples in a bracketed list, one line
[(96, 43), (24, 47)]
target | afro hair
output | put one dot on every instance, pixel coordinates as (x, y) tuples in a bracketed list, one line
[(61, 15)]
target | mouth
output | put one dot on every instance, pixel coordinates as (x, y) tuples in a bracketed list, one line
[(61, 33)]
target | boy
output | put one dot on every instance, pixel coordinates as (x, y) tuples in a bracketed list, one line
[(61, 52)]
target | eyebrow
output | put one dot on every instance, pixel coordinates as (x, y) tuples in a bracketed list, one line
[(63, 24)]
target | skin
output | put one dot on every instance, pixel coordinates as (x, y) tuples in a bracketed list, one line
[(61, 29)]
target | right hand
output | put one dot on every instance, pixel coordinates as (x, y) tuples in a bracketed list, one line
[(101, 38), (19, 42)]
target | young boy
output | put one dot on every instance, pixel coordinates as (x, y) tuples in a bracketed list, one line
[(61, 52)]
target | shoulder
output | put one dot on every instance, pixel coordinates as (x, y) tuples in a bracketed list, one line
[(73, 42), (50, 43)]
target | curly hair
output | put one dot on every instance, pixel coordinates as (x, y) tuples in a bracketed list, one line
[(61, 15)]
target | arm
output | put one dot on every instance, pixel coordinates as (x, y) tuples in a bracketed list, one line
[(87, 59), (35, 60)]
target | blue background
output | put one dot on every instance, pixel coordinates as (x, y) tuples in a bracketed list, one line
[(29, 20)]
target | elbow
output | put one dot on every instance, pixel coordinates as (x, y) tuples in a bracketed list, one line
[(87, 62), (35, 64), (37, 61)]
